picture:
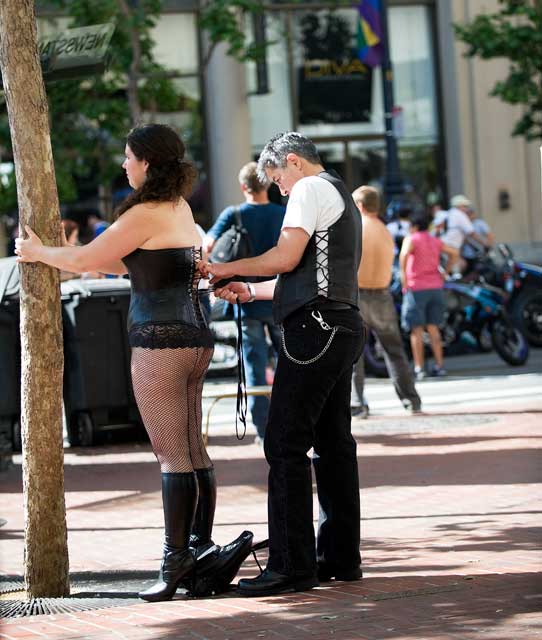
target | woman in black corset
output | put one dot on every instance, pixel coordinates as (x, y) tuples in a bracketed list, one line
[(155, 241)]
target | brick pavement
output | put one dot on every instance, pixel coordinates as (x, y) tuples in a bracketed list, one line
[(451, 538)]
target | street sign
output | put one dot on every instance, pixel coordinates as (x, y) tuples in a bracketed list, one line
[(75, 53)]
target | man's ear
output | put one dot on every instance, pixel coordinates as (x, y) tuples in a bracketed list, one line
[(145, 166), (294, 159)]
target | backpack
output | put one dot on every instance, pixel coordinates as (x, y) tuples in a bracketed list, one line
[(233, 244)]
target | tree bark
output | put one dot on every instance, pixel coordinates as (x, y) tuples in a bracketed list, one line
[(46, 551)]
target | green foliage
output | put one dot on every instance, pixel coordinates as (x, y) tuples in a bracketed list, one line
[(91, 116), (515, 33), (225, 21), (326, 37)]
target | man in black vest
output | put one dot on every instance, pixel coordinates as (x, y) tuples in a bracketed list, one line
[(316, 303)]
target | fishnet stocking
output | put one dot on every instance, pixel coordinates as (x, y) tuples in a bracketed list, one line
[(167, 387)]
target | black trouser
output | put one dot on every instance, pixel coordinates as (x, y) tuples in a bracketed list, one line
[(310, 407)]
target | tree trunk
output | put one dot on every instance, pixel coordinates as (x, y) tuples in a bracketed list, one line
[(46, 551), (135, 66)]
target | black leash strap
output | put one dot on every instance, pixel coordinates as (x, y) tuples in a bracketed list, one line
[(242, 400)]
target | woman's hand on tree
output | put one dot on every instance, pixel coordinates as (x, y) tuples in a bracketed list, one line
[(27, 249)]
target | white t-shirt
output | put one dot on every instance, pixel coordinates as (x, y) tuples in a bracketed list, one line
[(398, 229), (459, 227), (314, 205), (471, 248)]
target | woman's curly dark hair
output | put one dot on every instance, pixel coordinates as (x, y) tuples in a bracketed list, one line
[(169, 176)]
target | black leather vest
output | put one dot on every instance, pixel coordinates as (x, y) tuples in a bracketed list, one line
[(299, 287)]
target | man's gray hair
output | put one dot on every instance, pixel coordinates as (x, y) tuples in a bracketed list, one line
[(275, 151)]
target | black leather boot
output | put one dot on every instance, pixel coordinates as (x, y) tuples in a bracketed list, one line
[(218, 567), (180, 498), (200, 538)]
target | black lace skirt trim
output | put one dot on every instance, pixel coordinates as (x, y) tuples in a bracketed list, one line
[(170, 336)]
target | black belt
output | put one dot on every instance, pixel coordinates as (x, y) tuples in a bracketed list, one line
[(328, 305)]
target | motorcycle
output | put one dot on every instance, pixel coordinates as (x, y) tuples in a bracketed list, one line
[(480, 309), (522, 283)]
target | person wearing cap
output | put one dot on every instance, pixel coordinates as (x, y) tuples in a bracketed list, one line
[(455, 226), (472, 251)]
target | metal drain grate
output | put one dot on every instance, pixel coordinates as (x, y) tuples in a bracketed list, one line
[(47, 606), (7, 585), (89, 591)]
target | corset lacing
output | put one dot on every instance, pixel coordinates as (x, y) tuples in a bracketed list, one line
[(322, 243)]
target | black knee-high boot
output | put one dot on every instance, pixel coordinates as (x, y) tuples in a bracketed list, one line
[(180, 498), (215, 566), (202, 529)]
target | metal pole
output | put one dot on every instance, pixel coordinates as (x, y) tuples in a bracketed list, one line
[(393, 181)]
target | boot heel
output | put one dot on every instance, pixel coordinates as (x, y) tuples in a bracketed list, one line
[(176, 568)]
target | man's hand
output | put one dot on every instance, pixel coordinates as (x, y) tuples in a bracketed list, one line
[(233, 292), (27, 249), (216, 270)]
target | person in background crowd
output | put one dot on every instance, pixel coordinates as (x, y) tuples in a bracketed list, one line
[(472, 251), (453, 227), (400, 227), (263, 221), (71, 234), (96, 222), (423, 297), (376, 303), (71, 231)]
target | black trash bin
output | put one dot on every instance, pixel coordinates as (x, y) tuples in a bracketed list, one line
[(10, 368), (97, 386)]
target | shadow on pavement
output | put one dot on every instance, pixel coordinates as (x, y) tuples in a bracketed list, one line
[(410, 607)]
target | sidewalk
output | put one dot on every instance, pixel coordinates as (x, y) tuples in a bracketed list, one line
[(450, 537)]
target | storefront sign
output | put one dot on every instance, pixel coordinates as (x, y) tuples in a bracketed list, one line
[(334, 92)]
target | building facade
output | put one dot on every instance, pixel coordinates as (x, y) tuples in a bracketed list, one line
[(452, 137)]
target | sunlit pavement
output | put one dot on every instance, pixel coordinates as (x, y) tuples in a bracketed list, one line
[(451, 506)]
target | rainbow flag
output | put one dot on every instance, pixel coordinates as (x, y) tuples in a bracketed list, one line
[(370, 49)]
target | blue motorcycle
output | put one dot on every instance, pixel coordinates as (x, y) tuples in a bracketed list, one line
[(480, 309), (521, 281)]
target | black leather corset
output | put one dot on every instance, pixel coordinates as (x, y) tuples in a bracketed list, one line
[(165, 310)]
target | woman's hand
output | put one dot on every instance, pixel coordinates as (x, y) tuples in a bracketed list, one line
[(28, 249), (233, 292)]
